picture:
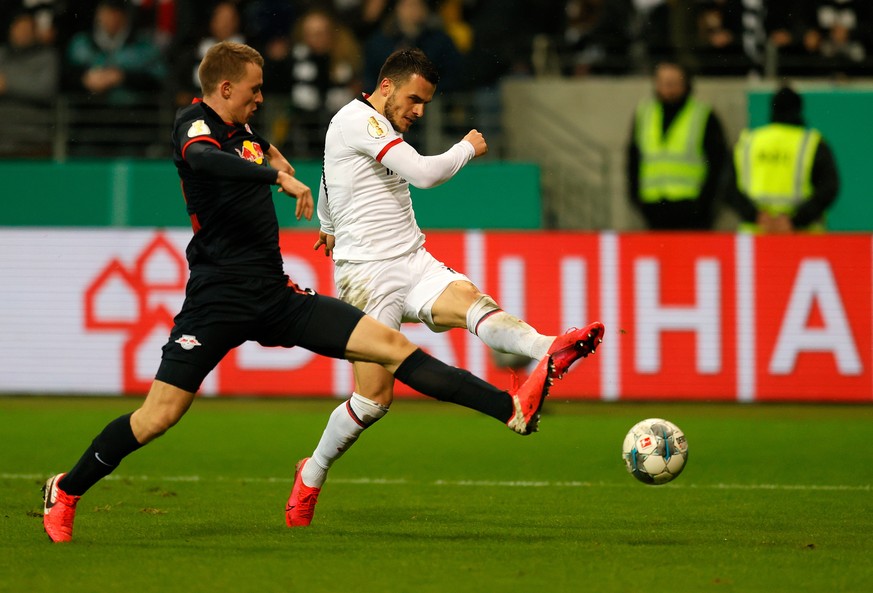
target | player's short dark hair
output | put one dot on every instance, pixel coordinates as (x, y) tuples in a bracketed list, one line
[(226, 61), (403, 63)]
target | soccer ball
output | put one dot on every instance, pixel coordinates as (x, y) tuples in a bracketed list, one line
[(655, 451)]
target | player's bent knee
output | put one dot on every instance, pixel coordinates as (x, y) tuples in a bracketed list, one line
[(163, 408), (374, 383), (383, 398), (149, 425)]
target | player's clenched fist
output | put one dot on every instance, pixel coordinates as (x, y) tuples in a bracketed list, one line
[(476, 138)]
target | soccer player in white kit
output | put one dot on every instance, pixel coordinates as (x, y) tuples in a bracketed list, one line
[(382, 267)]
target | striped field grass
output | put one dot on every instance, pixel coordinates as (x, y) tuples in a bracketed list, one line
[(436, 498)]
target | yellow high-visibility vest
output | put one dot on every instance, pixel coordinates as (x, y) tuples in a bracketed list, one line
[(774, 167), (672, 165)]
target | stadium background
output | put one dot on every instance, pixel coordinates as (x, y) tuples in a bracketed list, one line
[(91, 252), (776, 497)]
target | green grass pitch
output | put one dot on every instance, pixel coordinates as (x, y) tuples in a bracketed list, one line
[(436, 498)]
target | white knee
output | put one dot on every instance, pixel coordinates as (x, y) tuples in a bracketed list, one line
[(478, 311), (366, 410)]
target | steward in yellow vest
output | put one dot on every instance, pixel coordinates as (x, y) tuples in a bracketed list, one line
[(785, 175), (676, 155)]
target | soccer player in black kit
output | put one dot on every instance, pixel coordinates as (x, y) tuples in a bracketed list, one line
[(237, 291)]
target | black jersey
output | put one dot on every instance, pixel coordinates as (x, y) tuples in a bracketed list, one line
[(234, 220)]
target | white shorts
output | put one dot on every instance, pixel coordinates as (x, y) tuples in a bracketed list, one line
[(402, 289)]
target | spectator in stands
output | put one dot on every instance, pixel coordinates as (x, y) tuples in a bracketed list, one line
[(264, 20), (784, 26), (503, 31), (114, 61), (28, 84), (45, 13), (502, 34), (784, 175), (192, 21), (654, 28), (675, 154), (323, 71), (160, 18), (595, 37), (29, 71), (412, 24), (224, 25), (69, 19), (362, 17), (451, 13), (838, 34), (718, 37)]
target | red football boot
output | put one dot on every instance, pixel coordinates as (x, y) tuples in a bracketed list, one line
[(301, 503), (59, 510), (575, 344), (528, 399)]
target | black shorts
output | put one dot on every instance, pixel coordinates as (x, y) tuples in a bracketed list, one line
[(221, 312)]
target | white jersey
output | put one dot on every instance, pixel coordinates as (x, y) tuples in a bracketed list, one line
[(363, 197)]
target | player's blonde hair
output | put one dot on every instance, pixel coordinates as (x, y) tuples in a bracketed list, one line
[(226, 61)]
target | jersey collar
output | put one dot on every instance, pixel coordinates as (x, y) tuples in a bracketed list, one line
[(364, 98), (211, 113)]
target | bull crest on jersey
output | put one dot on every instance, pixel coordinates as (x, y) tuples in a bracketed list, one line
[(251, 151)]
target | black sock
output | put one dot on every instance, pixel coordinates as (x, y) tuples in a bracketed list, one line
[(105, 453), (446, 383)]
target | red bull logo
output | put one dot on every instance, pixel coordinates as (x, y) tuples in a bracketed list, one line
[(251, 151)]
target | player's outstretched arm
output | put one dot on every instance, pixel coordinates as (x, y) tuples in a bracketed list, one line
[(208, 159), (428, 171)]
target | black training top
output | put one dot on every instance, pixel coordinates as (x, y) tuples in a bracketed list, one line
[(226, 185)]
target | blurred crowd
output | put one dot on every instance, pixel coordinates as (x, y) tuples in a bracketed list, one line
[(319, 53)]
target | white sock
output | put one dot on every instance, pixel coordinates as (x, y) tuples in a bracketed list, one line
[(345, 425), (504, 332)]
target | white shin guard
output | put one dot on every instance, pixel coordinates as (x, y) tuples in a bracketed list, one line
[(504, 332), (478, 311), (345, 425)]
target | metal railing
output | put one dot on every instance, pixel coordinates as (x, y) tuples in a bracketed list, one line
[(83, 127), (29, 130), (78, 126)]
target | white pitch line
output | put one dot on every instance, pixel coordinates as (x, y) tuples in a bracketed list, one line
[(473, 483), (823, 487)]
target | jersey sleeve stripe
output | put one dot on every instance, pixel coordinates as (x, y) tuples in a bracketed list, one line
[(387, 147), (199, 139)]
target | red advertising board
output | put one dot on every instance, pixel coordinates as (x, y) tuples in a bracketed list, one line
[(688, 315), (551, 281), (677, 312), (813, 320)]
